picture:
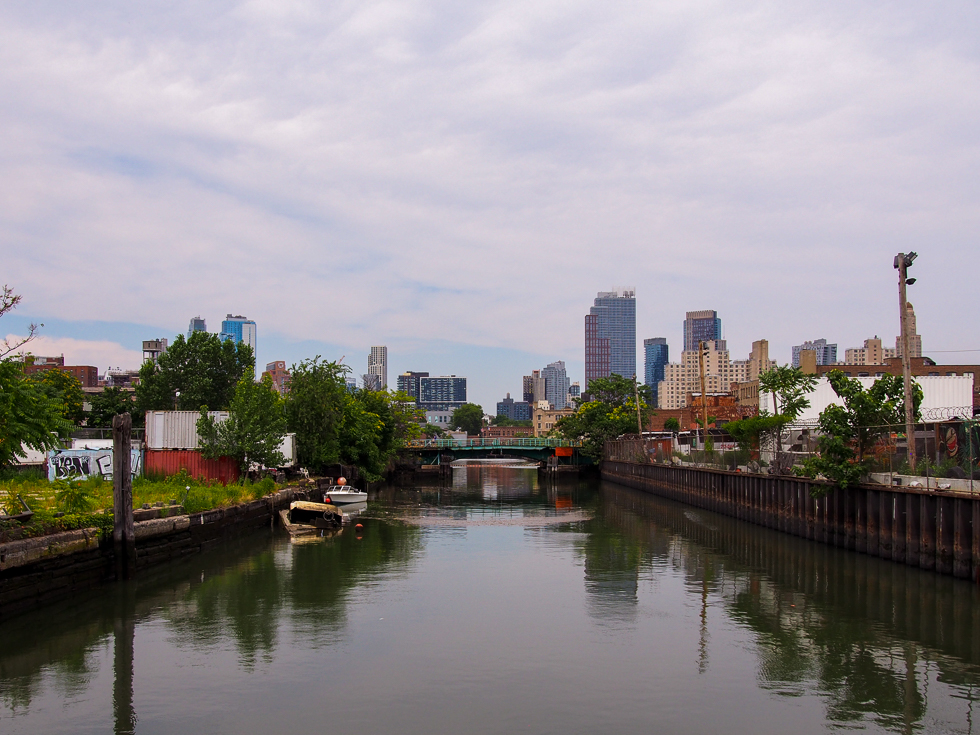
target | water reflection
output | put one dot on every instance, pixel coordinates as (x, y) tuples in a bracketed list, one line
[(600, 602), (871, 636)]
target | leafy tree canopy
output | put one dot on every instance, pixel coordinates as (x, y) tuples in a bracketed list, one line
[(608, 411), (32, 414), (469, 418), (672, 423), (365, 428), (253, 430), (790, 387), (501, 420), (204, 370), (849, 431), (109, 403), (64, 387)]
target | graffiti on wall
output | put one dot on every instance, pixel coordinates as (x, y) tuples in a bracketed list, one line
[(64, 464)]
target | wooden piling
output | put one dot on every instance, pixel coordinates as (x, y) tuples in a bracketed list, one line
[(123, 533)]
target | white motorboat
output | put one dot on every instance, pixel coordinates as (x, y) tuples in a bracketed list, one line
[(341, 495)]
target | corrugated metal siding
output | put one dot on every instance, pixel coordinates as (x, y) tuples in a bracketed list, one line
[(172, 461), (175, 429)]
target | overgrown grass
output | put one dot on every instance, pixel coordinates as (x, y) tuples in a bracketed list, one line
[(94, 494)]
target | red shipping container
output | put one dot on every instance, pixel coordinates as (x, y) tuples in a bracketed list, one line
[(172, 461)]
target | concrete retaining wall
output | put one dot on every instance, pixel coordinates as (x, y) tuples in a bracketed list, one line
[(39, 570), (935, 531)]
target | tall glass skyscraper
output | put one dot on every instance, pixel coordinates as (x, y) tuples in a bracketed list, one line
[(655, 357), (197, 325), (702, 326), (556, 384), (239, 329), (610, 336)]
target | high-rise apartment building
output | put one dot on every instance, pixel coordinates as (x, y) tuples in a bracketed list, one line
[(279, 376), (702, 326), (239, 329), (720, 372), (610, 336), (444, 392), (197, 324), (556, 384), (528, 389), (408, 382), (873, 353), (378, 365), (655, 358), (915, 339), (515, 410), (826, 352)]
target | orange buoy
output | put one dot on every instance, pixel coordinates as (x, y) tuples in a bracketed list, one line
[(358, 527), (341, 480)]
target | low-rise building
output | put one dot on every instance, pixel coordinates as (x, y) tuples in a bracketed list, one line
[(543, 420), (87, 375)]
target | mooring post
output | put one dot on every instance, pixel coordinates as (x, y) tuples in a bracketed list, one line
[(123, 534)]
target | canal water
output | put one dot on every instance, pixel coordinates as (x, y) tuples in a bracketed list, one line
[(503, 603)]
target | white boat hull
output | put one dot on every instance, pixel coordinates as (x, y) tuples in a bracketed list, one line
[(344, 497)]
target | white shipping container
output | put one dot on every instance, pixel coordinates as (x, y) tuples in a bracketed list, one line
[(175, 429), (938, 391)]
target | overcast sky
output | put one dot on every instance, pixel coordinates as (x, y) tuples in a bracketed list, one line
[(458, 180)]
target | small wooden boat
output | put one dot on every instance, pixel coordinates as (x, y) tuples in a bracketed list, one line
[(306, 518)]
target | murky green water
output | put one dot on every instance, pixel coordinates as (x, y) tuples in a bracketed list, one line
[(503, 605)]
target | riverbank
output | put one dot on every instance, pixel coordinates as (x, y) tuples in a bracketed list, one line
[(935, 531), (35, 571)]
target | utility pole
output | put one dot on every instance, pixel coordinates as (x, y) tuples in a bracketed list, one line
[(702, 348), (902, 263), (636, 395)]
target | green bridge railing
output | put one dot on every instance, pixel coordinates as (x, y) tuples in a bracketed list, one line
[(502, 443)]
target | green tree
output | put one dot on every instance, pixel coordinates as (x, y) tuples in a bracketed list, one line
[(31, 414), (64, 387), (790, 388), (332, 424), (253, 431), (31, 417), (672, 424), (608, 411), (850, 431), (469, 418), (107, 404), (501, 420), (204, 370), (315, 411)]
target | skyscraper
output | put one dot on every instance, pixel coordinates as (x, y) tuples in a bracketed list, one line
[(444, 392), (239, 329), (378, 365), (197, 325), (826, 353), (556, 384), (655, 357), (702, 326), (408, 382), (610, 336)]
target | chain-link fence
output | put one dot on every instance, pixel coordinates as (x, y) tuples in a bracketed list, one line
[(947, 452)]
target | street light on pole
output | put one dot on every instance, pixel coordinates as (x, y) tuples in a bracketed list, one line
[(902, 263)]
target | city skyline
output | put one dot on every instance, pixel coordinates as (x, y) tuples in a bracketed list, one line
[(466, 210)]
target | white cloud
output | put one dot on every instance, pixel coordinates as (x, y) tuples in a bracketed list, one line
[(363, 173)]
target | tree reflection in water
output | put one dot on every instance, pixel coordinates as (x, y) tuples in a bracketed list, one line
[(866, 634)]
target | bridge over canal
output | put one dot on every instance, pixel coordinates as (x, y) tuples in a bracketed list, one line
[(544, 450)]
